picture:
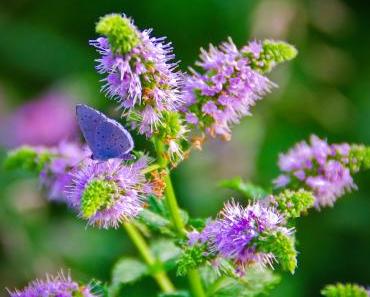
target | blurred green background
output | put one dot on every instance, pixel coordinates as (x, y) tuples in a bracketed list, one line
[(326, 90)]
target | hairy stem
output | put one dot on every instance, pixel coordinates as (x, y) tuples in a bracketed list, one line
[(160, 276), (173, 207)]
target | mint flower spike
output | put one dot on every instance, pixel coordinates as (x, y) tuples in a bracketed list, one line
[(264, 56), (318, 167), (223, 91), (108, 193), (139, 72), (345, 290), (141, 76), (59, 285), (237, 233)]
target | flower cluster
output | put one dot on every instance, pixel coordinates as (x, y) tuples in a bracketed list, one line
[(139, 73), (236, 233), (229, 83), (319, 167), (224, 92), (107, 193), (61, 286)]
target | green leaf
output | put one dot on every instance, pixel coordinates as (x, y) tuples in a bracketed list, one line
[(248, 190), (157, 206), (157, 218), (344, 290), (155, 222), (175, 294), (255, 282), (126, 271), (166, 252), (197, 223)]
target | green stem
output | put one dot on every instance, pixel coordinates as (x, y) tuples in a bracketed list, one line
[(170, 197), (150, 168), (196, 283), (160, 276), (171, 201)]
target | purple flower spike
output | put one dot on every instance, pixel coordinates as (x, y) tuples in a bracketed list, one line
[(143, 80), (322, 168), (107, 193), (224, 91), (232, 235), (59, 286)]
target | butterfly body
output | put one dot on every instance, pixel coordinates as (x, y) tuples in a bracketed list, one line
[(106, 137)]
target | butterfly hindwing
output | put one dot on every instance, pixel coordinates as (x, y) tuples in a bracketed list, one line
[(113, 140), (105, 137)]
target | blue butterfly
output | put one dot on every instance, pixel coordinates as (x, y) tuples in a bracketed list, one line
[(106, 137)]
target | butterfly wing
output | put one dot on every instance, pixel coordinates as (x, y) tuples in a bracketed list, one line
[(105, 137), (89, 119), (113, 141)]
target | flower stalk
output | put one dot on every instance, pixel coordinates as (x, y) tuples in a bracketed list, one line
[(160, 276), (173, 207), (170, 196)]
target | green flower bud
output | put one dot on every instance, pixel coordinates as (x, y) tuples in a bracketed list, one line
[(120, 31), (192, 257), (344, 290), (273, 53), (97, 195), (359, 158), (293, 203), (282, 246)]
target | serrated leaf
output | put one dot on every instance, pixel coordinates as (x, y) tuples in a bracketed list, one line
[(248, 190), (197, 223), (155, 221), (255, 282), (165, 250), (175, 294), (126, 271), (157, 206)]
